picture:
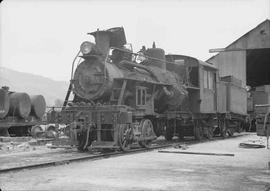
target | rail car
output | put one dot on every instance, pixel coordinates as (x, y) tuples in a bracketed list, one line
[(19, 112), (215, 106), (121, 97)]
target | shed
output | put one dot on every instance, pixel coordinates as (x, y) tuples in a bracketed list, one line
[(247, 58)]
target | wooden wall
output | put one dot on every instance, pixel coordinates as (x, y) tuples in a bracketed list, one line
[(234, 62)]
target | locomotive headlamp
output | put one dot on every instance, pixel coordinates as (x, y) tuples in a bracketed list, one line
[(86, 47)]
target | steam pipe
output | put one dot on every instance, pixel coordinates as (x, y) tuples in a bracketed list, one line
[(72, 70), (144, 55)]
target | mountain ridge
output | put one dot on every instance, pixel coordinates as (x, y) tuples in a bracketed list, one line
[(33, 84)]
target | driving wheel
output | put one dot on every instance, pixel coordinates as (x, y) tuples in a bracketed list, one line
[(147, 131), (124, 137)]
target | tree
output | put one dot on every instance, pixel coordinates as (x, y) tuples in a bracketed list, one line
[(58, 103)]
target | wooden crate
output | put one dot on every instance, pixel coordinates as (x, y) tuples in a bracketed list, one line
[(221, 97), (208, 101), (231, 98), (261, 97), (250, 104), (260, 128), (265, 88), (232, 79), (236, 99)]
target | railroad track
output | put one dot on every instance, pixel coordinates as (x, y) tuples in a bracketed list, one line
[(67, 160), (85, 157)]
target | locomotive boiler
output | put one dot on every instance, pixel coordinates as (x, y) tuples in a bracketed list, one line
[(117, 94)]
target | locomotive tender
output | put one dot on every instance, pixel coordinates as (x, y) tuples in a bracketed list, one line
[(121, 97)]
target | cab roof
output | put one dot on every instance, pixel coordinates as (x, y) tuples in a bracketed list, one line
[(191, 60)]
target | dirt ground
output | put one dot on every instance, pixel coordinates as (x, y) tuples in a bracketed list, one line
[(248, 170)]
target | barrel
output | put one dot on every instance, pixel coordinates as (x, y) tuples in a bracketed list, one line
[(20, 104), (38, 106), (4, 103)]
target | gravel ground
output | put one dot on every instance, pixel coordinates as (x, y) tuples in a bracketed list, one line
[(247, 170)]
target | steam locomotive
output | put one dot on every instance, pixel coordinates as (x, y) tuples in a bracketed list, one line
[(121, 97)]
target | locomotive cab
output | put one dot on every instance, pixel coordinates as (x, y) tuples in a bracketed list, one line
[(199, 78)]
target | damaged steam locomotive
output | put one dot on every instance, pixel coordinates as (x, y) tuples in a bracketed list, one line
[(121, 97)]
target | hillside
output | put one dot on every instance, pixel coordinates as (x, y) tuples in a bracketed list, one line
[(33, 84)]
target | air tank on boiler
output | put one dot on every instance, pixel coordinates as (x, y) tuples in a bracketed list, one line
[(157, 57)]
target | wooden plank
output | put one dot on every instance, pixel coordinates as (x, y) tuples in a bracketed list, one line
[(214, 50), (221, 97), (122, 92), (261, 101), (236, 99), (197, 153)]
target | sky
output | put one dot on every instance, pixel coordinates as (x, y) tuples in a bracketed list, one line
[(43, 36)]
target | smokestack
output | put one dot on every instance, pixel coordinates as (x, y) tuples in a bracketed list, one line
[(102, 39), (114, 37)]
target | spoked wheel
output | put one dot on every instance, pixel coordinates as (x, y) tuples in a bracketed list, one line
[(124, 138), (67, 130), (158, 128), (209, 133), (147, 131), (169, 131), (4, 132), (51, 128), (240, 126), (181, 134), (198, 131), (230, 132), (36, 131), (223, 128), (84, 140)]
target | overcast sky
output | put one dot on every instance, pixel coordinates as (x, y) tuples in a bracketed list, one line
[(42, 37)]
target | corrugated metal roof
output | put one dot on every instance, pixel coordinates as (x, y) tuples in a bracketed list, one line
[(266, 22)]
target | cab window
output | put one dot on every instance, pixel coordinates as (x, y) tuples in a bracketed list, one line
[(209, 79), (141, 96)]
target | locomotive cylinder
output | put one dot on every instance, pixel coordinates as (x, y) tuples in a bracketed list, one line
[(4, 103), (20, 105), (38, 106)]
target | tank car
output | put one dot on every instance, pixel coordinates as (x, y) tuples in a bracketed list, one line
[(19, 112)]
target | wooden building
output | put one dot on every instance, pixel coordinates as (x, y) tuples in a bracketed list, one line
[(247, 58)]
